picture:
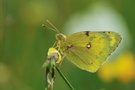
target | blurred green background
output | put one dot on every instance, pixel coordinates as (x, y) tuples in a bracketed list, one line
[(24, 42)]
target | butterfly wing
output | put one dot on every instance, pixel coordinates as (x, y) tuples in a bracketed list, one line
[(89, 50)]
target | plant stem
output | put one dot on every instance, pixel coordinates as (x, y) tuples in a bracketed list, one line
[(65, 79)]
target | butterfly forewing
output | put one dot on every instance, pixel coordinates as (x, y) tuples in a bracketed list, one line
[(89, 50)]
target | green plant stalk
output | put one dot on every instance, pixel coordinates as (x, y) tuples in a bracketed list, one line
[(65, 79)]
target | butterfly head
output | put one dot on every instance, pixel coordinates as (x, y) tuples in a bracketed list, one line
[(60, 36)]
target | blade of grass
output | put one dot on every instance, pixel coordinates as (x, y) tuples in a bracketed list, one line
[(65, 79)]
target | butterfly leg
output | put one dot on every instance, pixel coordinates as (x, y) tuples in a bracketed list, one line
[(55, 44)]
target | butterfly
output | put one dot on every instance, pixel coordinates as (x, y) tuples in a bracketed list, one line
[(88, 50)]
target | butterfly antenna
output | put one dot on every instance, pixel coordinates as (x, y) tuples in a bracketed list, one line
[(54, 28), (43, 25)]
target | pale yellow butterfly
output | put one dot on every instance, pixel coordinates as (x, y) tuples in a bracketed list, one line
[(88, 50)]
